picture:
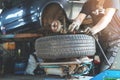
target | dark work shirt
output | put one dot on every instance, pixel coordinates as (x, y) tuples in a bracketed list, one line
[(112, 31)]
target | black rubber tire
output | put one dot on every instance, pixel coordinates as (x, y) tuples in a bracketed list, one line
[(65, 46)]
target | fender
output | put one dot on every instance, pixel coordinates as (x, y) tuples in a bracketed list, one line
[(71, 8)]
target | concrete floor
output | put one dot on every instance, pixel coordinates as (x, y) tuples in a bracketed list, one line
[(38, 77), (29, 77), (20, 77)]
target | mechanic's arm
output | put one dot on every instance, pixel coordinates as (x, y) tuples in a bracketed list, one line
[(81, 17), (104, 21), (77, 22)]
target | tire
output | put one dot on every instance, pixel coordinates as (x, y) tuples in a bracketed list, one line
[(65, 46)]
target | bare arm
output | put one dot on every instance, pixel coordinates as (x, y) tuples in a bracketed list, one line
[(80, 17), (77, 22), (105, 20)]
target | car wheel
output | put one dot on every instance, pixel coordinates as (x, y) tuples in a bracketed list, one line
[(65, 46)]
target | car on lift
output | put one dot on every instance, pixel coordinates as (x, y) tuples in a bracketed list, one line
[(42, 16), (51, 17), (48, 18)]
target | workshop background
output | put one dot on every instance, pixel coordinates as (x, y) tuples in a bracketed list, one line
[(18, 50), (35, 43)]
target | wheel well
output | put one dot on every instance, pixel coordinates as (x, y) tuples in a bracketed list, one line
[(49, 11)]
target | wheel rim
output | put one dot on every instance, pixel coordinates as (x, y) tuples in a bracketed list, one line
[(52, 21)]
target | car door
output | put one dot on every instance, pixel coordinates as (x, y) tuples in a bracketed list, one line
[(13, 17)]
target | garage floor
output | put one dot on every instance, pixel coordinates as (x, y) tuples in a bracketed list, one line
[(19, 77), (24, 77), (38, 77)]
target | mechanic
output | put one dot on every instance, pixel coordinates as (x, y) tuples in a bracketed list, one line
[(106, 23)]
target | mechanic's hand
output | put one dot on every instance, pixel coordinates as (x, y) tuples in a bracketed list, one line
[(74, 26), (88, 31)]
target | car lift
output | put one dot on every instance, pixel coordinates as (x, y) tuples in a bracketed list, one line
[(22, 35)]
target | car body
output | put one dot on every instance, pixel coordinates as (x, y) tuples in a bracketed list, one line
[(30, 15)]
